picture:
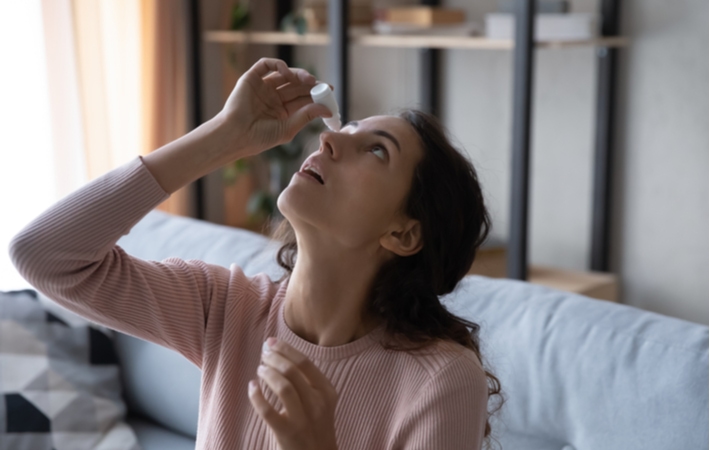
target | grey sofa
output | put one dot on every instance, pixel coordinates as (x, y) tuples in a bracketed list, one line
[(578, 373)]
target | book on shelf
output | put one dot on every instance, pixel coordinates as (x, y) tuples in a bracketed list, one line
[(315, 13), (424, 16), (548, 27)]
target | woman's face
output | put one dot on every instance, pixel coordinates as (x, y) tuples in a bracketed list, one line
[(366, 170)]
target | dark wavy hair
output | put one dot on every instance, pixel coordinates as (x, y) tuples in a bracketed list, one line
[(446, 198)]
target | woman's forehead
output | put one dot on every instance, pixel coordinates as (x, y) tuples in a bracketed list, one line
[(389, 123)]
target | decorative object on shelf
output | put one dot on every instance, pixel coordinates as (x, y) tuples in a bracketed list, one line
[(560, 27), (315, 12), (294, 22), (543, 6), (424, 20), (464, 29)]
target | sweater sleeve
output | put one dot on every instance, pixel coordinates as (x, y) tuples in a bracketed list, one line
[(450, 411), (69, 253)]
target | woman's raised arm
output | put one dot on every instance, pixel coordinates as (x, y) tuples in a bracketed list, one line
[(69, 252)]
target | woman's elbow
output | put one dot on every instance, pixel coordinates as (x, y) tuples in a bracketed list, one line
[(20, 249), (34, 259)]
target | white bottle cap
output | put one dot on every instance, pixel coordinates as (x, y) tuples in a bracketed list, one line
[(322, 94)]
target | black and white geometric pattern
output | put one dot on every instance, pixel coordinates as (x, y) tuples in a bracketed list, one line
[(59, 379)]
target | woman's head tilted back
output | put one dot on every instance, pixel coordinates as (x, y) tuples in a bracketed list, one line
[(395, 188)]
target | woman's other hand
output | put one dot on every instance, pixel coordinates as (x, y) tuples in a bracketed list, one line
[(307, 420), (270, 104)]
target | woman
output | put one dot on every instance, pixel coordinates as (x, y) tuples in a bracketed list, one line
[(385, 216)]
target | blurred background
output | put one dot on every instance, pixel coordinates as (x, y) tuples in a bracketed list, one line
[(90, 84)]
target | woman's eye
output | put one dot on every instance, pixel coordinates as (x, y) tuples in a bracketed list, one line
[(380, 150)]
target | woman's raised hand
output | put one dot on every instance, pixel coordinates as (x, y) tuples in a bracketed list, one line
[(270, 104)]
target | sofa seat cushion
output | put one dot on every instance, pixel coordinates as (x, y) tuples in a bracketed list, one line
[(523, 441), (159, 384), (152, 436)]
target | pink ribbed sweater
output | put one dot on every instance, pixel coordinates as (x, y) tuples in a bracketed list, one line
[(218, 319)]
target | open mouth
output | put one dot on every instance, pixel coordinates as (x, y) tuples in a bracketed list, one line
[(314, 174)]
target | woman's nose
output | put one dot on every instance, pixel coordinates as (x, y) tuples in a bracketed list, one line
[(330, 144)]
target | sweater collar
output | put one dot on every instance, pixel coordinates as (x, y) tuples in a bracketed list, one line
[(317, 352)]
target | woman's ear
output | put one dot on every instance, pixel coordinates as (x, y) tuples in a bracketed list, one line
[(406, 240)]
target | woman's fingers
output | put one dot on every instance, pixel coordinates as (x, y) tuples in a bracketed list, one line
[(266, 65), (298, 103), (264, 408), (290, 92), (293, 378), (276, 79), (284, 388), (305, 366), (271, 103), (305, 114)]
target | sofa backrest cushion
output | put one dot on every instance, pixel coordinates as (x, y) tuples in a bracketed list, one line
[(588, 373)]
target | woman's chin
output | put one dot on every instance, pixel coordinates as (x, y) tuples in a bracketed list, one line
[(295, 206), (304, 212)]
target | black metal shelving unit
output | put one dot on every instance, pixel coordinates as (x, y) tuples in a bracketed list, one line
[(524, 68)]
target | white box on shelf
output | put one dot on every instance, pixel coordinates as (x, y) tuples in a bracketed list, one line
[(548, 27), (463, 29)]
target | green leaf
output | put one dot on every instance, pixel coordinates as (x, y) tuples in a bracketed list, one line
[(240, 17), (231, 173), (261, 204), (242, 166)]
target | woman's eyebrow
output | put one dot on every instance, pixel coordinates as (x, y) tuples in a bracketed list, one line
[(382, 133)]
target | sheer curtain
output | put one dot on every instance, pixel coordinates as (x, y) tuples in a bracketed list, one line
[(28, 164), (108, 65), (165, 84), (88, 85), (132, 60)]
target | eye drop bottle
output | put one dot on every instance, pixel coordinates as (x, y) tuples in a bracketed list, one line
[(321, 93)]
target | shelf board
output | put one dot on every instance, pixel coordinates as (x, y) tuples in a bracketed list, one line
[(266, 37), (368, 39), (491, 262)]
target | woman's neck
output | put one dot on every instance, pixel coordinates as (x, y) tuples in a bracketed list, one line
[(326, 297)]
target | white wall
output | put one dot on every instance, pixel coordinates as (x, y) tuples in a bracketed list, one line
[(662, 211), (660, 229)]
